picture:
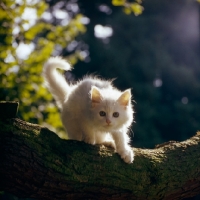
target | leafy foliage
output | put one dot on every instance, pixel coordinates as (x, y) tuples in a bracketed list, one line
[(21, 72), (128, 7)]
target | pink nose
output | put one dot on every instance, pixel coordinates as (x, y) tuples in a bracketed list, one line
[(108, 121)]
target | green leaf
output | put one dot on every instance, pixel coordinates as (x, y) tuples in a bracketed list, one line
[(118, 2), (136, 8)]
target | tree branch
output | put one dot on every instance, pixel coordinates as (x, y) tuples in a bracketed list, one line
[(36, 163)]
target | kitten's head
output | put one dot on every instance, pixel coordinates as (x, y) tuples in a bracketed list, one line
[(111, 109)]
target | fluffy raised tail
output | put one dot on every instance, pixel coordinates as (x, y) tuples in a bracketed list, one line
[(56, 82)]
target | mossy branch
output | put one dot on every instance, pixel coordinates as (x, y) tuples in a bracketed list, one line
[(36, 163)]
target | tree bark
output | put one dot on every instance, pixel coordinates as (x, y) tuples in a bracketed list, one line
[(36, 163)]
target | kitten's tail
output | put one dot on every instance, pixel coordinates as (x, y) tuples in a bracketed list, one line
[(55, 82)]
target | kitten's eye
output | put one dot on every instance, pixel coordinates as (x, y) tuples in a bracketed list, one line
[(115, 114), (102, 113)]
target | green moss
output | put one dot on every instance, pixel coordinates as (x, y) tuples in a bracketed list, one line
[(153, 172)]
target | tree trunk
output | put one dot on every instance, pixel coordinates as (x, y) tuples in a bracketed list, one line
[(36, 163)]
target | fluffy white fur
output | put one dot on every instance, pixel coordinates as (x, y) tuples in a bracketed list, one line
[(90, 109)]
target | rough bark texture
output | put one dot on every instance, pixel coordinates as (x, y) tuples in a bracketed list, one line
[(36, 163)]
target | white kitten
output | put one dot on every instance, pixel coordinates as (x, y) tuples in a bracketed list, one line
[(92, 110)]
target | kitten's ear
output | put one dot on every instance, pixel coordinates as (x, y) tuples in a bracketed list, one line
[(125, 98), (95, 95)]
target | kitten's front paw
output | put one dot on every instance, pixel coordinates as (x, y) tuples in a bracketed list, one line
[(109, 143), (89, 140), (127, 155)]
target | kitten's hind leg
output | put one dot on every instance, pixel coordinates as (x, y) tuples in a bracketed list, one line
[(88, 136), (89, 139), (73, 131)]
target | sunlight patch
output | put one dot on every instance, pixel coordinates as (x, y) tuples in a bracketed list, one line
[(102, 31)]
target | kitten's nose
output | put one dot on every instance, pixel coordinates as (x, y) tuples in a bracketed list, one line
[(108, 121)]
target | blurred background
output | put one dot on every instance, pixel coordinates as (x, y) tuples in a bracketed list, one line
[(151, 47)]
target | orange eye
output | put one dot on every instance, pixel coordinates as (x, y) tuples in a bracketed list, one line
[(102, 113), (116, 114)]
